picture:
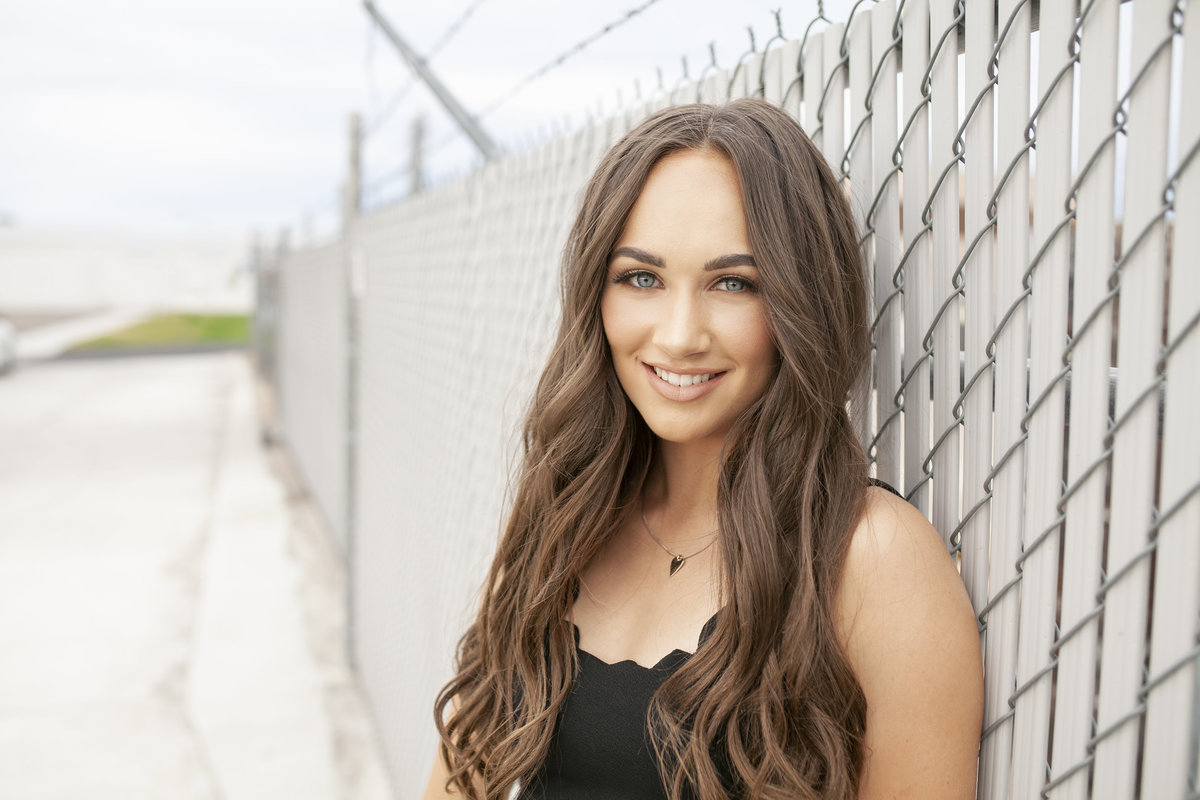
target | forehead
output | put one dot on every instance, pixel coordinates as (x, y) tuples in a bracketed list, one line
[(690, 207)]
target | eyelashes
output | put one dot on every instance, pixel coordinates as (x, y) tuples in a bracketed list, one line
[(628, 277), (744, 284), (644, 279)]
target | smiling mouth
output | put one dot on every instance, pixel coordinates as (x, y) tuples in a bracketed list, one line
[(675, 379)]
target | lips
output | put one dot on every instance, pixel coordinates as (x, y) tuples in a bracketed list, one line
[(681, 386), (682, 379)]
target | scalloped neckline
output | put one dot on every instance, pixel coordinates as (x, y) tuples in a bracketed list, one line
[(705, 632)]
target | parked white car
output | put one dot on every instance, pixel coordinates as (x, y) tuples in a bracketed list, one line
[(8, 345)]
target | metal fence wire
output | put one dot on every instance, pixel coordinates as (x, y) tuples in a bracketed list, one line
[(1026, 181)]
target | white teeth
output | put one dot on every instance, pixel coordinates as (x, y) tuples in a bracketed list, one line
[(676, 379)]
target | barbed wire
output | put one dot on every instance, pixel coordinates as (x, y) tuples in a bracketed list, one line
[(558, 60), (384, 178), (397, 98), (369, 63), (452, 31)]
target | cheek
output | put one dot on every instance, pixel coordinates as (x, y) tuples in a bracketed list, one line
[(620, 321), (606, 311), (750, 335), (764, 344)]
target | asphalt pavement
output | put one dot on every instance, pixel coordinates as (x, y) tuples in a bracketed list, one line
[(172, 613)]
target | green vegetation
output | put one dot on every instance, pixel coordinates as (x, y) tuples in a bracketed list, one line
[(176, 330)]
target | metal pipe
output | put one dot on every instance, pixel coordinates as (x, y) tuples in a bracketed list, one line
[(467, 122)]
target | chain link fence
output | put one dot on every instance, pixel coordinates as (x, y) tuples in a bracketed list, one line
[(1027, 185)]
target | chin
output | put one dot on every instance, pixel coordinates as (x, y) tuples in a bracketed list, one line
[(685, 433)]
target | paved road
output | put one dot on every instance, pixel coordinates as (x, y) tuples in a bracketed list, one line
[(171, 621)]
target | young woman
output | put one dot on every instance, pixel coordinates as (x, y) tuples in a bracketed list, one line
[(699, 592)]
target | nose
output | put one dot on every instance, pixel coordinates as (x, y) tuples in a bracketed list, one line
[(682, 329)]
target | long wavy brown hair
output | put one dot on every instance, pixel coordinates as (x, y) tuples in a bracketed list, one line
[(768, 707)]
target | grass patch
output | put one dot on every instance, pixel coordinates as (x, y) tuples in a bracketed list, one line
[(176, 330)]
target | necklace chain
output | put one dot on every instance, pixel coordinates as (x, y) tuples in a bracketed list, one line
[(677, 559)]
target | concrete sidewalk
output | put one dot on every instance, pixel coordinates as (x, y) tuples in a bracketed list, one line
[(171, 617)]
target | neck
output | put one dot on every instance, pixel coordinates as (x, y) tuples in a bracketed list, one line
[(681, 490)]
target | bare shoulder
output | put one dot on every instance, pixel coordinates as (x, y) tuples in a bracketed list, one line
[(906, 625), (894, 549)]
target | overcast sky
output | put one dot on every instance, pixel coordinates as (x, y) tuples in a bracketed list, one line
[(160, 117)]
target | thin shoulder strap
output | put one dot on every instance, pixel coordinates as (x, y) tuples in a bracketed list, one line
[(885, 485)]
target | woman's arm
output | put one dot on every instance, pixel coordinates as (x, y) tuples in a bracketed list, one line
[(436, 788), (910, 635)]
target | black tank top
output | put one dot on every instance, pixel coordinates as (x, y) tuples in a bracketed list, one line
[(601, 747)]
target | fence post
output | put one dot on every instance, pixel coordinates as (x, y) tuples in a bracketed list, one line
[(283, 246), (264, 333), (352, 188), (351, 206), (416, 165)]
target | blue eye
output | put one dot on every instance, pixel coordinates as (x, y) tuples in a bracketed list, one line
[(732, 283), (638, 279)]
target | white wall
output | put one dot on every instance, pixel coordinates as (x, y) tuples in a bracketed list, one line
[(62, 269)]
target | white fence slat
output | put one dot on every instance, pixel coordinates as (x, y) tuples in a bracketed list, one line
[(598, 136), (745, 81), (813, 80), (632, 114), (832, 98), (659, 99), (1176, 622), (714, 88), (755, 77), (888, 245), (688, 92), (980, 316), (918, 311), (738, 81), (789, 78), (638, 112), (1012, 254), (1134, 446), (943, 124), (862, 182), (1169, 733), (859, 158), (1178, 544), (613, 128), (1044, 448), (1083, 530), (773, 77)]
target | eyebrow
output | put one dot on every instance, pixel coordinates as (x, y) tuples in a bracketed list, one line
[(720, 262), (732, 260)]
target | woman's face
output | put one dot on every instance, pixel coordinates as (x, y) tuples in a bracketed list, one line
[(685, 322)]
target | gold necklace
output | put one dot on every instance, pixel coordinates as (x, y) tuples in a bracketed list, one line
[(677, 559)]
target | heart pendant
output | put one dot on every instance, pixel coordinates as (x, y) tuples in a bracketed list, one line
[(676, 563)]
